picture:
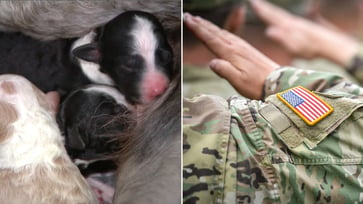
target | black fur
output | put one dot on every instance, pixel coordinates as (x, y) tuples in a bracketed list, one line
[(116, 57), (87, 118), (48, 65)]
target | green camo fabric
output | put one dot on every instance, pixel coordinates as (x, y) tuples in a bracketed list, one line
[(234, 153), (202, 80)]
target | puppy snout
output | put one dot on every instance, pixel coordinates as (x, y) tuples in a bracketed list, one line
[(154, 86)]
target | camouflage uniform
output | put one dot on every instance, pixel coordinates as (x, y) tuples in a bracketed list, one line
[(324, 65), (247, 151)]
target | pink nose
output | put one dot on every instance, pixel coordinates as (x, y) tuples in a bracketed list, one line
[(154, 85)]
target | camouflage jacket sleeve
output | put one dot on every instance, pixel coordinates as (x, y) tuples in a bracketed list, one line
[(288, 77)]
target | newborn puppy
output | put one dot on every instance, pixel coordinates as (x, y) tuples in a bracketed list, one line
[(133, 50), (89, 118), (34, 166), (49, 65)]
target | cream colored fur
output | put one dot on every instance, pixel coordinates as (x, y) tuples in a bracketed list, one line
[(34, 166)]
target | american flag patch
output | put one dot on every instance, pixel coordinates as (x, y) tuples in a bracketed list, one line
[(305, 104)]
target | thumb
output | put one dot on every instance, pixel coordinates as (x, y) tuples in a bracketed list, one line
[(224, 69), (231, 73), (237, 78)]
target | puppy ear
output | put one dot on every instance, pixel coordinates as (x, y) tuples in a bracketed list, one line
[(89, 52)]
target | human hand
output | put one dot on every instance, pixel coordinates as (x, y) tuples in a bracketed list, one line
[(238, 62), (303, 37)]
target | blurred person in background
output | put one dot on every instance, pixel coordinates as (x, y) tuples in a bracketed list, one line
[(345, 16), (255, 32), (308, 40), (341, 16)]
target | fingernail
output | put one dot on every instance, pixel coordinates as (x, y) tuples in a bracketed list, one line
[(271, 31), (213, 64), (253, 2), (186, 16)]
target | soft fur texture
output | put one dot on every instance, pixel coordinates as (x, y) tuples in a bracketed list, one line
[(90, 117), (91, 69), (150, 159), (133, 50), (34, 166), (49, 19), (48, 65), (150, 162)]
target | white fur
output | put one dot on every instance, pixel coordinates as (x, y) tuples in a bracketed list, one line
[(36, 138), (91, 69), (119, 98), (145, 41), (34, 165)]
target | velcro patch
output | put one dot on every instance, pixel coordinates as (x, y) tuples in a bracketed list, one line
[(305, 104)]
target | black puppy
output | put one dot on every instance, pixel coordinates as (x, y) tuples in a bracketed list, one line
[(48, 65), (88, 120), (133, 50)]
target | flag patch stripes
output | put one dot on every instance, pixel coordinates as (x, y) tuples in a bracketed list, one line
[(305, 104)]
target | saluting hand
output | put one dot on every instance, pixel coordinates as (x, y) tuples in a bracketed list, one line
[(303, 37), (238, 62)]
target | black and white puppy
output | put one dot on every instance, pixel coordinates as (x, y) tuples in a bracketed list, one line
[(90, 117), (133, 50)]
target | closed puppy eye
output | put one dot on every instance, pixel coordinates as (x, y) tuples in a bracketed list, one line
[(129, 69), (131, 63)]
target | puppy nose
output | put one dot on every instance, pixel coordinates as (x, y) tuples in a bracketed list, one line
[(155, 84), (156, 91)]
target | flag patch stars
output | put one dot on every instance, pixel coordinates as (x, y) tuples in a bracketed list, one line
[(305, 104)]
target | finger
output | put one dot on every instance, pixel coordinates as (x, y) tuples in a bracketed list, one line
[(237, 78), (293, 43), (275, 33), (220, 33), (326, 23), (227, 71), (209, 34), (269, 13)]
